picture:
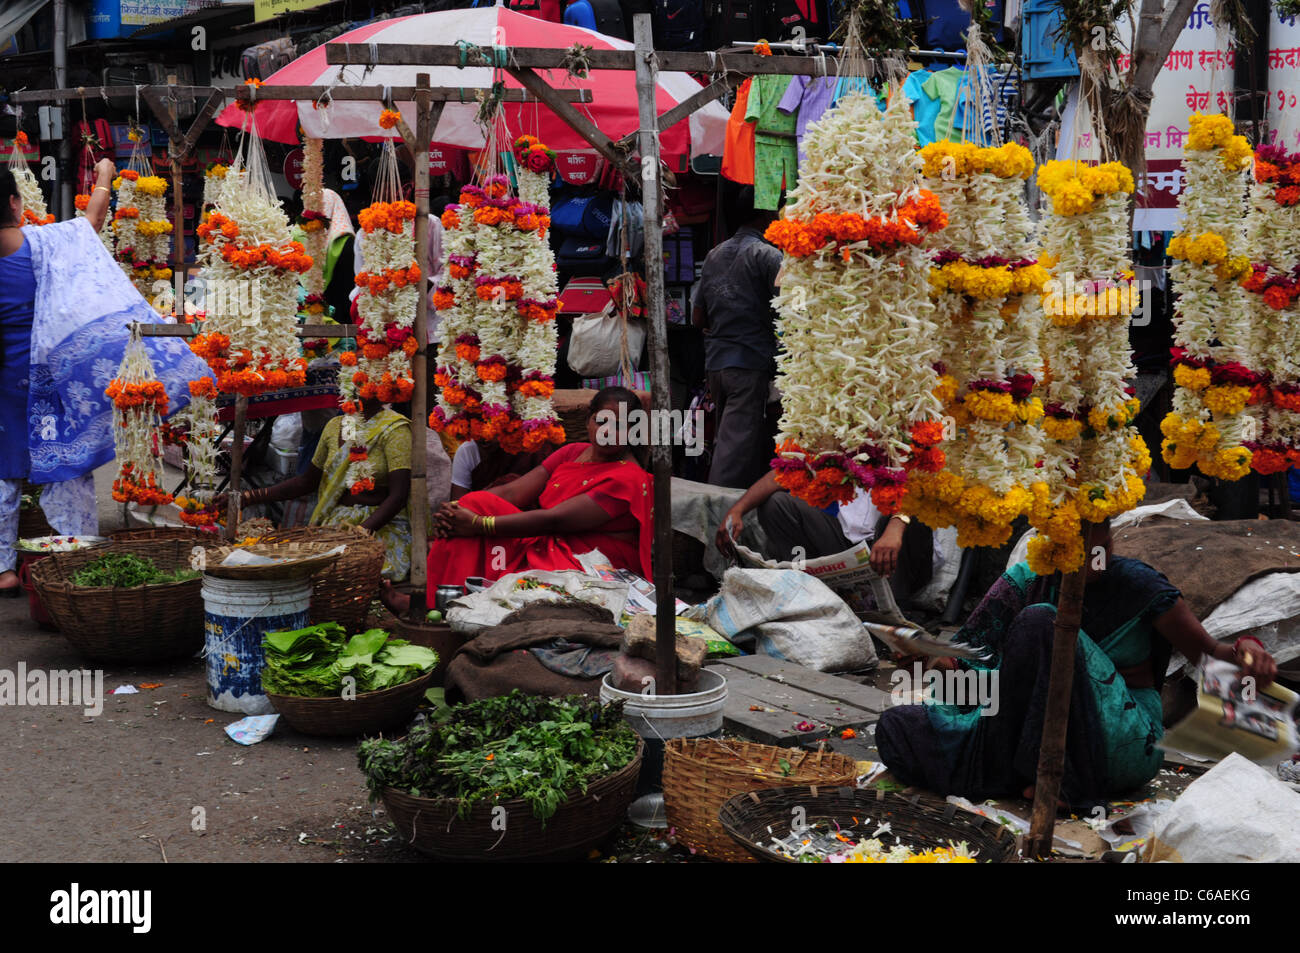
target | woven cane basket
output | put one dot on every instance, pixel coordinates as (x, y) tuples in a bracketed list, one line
[(147, 533), (432, 825), (921, 822), (341, 592), (140, 624), (700, 774), (368, 713)]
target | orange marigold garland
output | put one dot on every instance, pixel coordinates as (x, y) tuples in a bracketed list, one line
[(496, 363), (250, 269), (139, 403), (34, 211)]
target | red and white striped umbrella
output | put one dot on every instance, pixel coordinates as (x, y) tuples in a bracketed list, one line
[(613, 108)]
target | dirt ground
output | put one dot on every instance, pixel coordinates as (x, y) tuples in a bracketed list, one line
[(154, 775)]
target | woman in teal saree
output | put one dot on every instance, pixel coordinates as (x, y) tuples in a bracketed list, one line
[(1133, 618)]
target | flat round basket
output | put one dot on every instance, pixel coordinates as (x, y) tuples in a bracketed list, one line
[(432, 825), (295, 560), (140, 624), (341, 592), (367, 713), (921, 822), (702, 773), (145, 533)]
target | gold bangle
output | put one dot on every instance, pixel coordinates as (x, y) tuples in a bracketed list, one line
[(98, 187), (490, 525)]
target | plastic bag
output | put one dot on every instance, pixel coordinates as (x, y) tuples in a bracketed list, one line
[(792, 616), (472, 613), (596, 346)]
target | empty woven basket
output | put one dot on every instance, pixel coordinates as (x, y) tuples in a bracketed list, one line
[(701, 774)]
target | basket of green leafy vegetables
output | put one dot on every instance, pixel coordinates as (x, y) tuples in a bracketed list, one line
[(324, 683), (131, 601), (513, 778)]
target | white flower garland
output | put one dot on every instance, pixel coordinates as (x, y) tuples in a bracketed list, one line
[(858, 331)]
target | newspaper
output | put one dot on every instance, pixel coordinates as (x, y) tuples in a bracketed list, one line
[(640, 592), (1232, 714), (849, 575)]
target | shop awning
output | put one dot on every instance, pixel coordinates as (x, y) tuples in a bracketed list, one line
[(204, 12)]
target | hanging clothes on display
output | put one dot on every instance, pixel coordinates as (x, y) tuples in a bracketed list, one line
[(946, 87), (738, 148), (776, 154), (925, 109), (807, 98)]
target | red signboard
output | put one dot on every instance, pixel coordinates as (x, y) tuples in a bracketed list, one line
[(293, 168), (576, 168)]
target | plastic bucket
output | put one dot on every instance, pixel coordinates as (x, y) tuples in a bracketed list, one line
[(659, 718), (237, 613)]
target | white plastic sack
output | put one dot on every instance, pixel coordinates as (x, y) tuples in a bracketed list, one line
[(286, 433), (596, 345), (477, 611), (792, 616), (1237, 812)]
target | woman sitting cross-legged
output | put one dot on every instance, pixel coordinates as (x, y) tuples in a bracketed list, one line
[(986, 744), (386, 435), (584, 497)]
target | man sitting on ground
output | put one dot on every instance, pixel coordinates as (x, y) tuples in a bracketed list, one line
[(903, 550)]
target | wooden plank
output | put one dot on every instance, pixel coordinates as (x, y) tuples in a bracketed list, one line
[(804, 705), (304, 330), (552, 58), (578, 122), (397, 94), (819, 683), (768, 711), (671, 117), (861, 748), (60, 95), (419, 499)]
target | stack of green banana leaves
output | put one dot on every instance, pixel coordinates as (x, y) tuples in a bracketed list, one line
[(313, 662)]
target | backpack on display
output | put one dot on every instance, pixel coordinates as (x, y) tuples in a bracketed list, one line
[(735, 21), (680, 25), (603, 16)]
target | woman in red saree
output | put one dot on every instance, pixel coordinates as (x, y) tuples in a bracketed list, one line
[(583, 497)]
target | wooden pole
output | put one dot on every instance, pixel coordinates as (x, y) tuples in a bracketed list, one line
[(647, 85), (419, 503), (1051, 752), (236, 467)]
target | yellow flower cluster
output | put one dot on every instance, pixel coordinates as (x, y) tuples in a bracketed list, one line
[(1230, 463), (1047, 555), (1029, 411), (151, 185), (976, 281), (217, 171), (1067, 311), (1217, 132), (991, 405), (1187, 440), (1226, 399), (149, 229), (948, 160), (1058, 428), (982, 517), (946, 390), (1192, 378), (1190, 442), (1097, 504), (1112, 418), (1075, 187), (1207, 249)]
